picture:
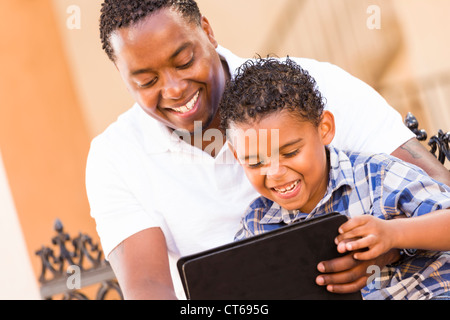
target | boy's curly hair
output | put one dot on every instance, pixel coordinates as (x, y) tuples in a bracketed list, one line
[(264, 86), (117, 14)]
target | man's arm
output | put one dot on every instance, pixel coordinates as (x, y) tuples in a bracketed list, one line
[(141, 266), (414, 152)]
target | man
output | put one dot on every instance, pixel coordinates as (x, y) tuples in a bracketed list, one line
[(157, 182)]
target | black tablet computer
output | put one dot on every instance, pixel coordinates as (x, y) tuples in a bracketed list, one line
[(277, 265)]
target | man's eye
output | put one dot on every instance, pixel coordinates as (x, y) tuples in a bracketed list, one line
[(186, 65), (148, 83)]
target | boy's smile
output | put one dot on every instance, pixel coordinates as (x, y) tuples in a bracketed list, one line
[(294, 171)]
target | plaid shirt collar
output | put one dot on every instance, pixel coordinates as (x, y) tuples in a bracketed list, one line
[(340, 175)]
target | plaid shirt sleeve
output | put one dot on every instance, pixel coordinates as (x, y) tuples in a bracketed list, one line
[(408, 190)]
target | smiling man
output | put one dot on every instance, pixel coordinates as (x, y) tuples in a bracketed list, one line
[(156, 197), (182, 80)]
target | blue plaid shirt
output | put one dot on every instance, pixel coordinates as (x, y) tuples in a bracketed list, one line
[(384, 187)]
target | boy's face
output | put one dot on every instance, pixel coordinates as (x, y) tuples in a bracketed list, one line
[(293, 171), (171, 68)]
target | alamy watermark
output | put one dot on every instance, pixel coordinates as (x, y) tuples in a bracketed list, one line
[(73, 21), (374, 280), (373, 22), (73, 281), (262, 144)]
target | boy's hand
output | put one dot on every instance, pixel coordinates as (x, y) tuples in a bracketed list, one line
[(374, 235)]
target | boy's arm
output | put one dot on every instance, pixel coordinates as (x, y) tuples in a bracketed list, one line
[(347, 274), (427, 232)]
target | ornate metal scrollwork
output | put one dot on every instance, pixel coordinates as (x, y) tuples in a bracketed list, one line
[(79, 253), (438, 143), (413, 125)]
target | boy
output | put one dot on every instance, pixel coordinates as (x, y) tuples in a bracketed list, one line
[(299, 174)]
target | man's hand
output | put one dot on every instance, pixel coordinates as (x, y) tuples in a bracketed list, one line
[(346, 275)]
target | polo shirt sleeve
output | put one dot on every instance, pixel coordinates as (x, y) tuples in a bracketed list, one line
[(116, 211), (365, 122)]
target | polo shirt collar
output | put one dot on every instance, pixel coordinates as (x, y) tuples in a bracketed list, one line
[(341, 170), (157, 138), (234, 62)]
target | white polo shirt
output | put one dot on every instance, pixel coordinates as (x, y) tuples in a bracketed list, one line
[(139, 175)]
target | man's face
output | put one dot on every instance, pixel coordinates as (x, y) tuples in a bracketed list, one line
[(171, 68), (292, 171)]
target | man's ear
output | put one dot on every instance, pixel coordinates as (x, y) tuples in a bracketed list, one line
[(206, 26), (327, 127)]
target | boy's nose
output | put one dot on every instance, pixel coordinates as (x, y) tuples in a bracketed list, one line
[(276, 171)]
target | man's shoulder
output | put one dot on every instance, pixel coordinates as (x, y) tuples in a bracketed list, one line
[(124, 133), (315, 67), (124, 121)]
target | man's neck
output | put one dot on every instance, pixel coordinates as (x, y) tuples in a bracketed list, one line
[(215, 123)]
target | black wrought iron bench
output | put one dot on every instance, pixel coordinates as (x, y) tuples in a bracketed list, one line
[(438, 143), (75, 269)]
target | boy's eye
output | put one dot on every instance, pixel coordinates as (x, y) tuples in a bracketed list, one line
[(254, 165), (291, 154)]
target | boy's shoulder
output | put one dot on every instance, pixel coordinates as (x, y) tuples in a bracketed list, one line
[(373, 159), (258, 208), (377, 163)]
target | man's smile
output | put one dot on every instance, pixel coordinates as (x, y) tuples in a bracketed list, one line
[(188, 108)]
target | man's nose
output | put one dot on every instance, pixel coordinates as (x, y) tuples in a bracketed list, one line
[(173, 87)]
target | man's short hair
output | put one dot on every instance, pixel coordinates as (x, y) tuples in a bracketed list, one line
[(117, 14), (265, 86)]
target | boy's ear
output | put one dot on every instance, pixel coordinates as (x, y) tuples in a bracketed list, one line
[(233, 150), (327, 127)]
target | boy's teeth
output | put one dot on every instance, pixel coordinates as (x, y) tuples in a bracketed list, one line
[(287, 189), (189, 105)]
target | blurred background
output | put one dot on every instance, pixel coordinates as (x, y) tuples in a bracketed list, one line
[(58, 90)]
